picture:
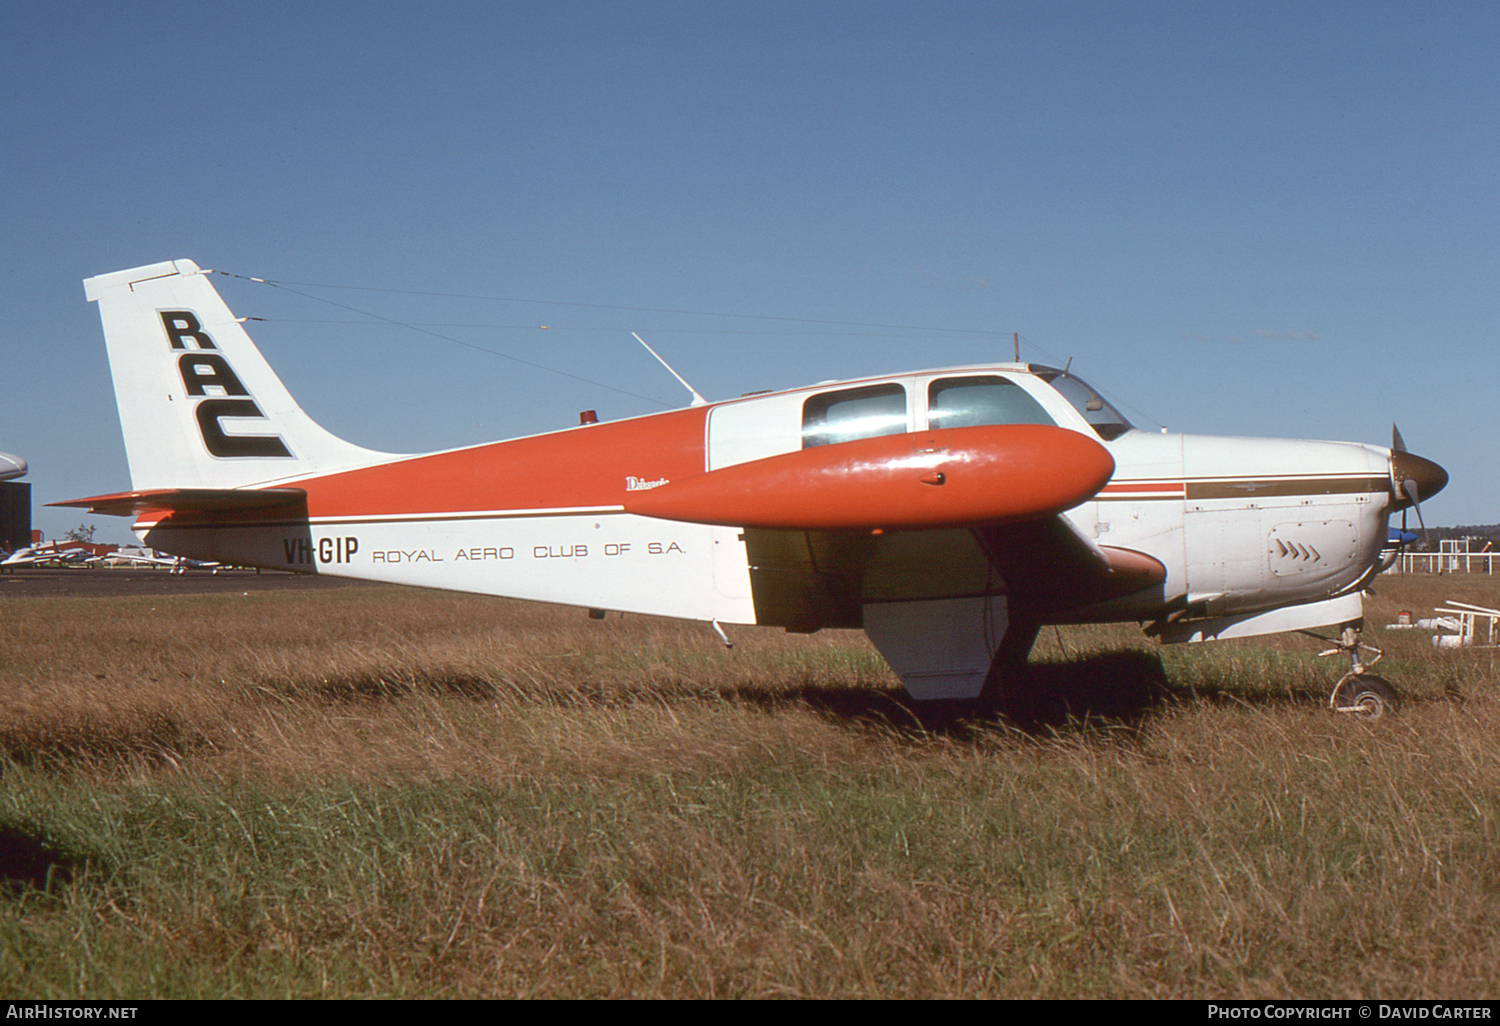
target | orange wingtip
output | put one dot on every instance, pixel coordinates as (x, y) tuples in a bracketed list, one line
[(947, 478)]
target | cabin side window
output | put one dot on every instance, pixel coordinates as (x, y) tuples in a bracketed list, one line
[(973, 402), (853, 413)]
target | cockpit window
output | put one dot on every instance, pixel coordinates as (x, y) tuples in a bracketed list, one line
[(853, 413), (1108, 423), (972, 402)]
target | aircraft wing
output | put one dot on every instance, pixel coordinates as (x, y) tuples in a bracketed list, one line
[(1049, 568), (806, 580), (933, 516)]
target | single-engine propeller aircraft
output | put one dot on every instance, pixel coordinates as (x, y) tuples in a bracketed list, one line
[(68, 552), (949, 513)]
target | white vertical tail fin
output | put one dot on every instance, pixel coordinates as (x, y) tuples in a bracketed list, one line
[(199, 405)]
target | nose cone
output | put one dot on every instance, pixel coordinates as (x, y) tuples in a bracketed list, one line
[(1408, 470)]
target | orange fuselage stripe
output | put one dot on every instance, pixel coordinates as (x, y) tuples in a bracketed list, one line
[(588, 466)]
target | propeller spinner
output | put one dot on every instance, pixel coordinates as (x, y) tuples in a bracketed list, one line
[(1413, 478)]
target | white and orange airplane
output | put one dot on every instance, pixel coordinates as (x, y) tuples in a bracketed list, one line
[(949, 513)]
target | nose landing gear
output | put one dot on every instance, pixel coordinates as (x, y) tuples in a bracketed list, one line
[(1365, 696), (1360, 693)]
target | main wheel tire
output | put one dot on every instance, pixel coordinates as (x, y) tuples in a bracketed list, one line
[(1365, 696)]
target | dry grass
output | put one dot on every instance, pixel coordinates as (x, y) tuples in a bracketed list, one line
[(394, 793)]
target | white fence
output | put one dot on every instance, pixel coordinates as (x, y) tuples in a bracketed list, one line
[(1444, 563)]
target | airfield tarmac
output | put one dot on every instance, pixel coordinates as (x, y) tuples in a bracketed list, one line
[(110, 583)]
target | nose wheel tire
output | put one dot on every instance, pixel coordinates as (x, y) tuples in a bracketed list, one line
[(1364, 696)]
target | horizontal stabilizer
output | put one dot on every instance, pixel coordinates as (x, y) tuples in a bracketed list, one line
[(188, 500)]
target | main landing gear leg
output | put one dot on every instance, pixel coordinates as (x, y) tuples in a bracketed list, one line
[(1360, 693), (1007, 687)]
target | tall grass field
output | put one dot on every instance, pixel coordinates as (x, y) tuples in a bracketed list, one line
[(379, 792)]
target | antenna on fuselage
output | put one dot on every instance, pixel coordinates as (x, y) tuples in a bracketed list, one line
[(698, 400)]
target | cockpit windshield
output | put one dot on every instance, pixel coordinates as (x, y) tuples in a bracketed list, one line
[(1108, 423)]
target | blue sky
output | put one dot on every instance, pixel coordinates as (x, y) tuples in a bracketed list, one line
[(1235, 218)]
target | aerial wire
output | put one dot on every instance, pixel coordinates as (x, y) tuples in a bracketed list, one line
[(287, 286), (611, 306), (446, 338)]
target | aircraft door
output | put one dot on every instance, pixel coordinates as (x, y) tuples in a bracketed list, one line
[(740, 432)]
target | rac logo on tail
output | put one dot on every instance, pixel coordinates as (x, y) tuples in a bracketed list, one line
[(202, 370)]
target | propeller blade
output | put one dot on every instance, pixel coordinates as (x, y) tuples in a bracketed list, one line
[(1414, 493), (1413, 479)]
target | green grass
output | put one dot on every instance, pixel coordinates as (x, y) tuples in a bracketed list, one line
[(376, 792)]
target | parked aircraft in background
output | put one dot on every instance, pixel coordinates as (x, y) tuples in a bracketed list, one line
[(58, 553), (949, 513), (21, 557), (70, 553), (136, 556)]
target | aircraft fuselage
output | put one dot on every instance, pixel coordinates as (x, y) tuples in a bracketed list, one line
[(948, 512), (1238, 524)]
